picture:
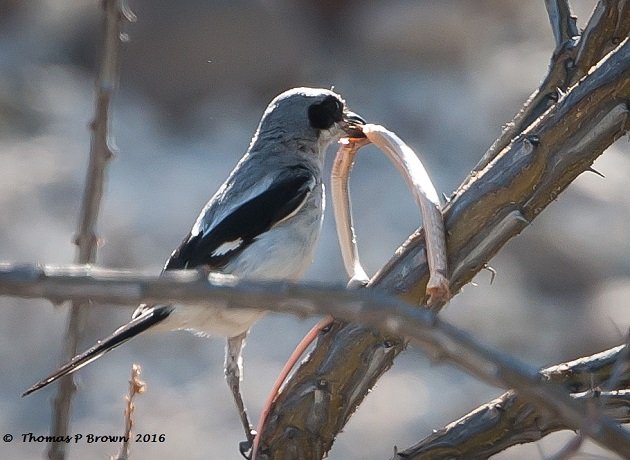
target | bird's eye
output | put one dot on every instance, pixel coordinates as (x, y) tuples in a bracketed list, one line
[(323, 115)]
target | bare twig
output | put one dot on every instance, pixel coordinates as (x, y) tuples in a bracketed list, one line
[(136, 387), (82, 283), (100, 152), (490, 208), (388, 314)]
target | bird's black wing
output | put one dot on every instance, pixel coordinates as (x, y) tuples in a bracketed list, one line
[(215, 247)]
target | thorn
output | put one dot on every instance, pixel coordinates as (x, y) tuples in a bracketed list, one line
[(109, 152), (593, 170), (493, 272), (244, 448), (533, 139), (57, 301), (126, 12), (521, 218)]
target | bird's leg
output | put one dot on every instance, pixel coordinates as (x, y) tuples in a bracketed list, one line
[(233, 369), (340, 176), (284, 373)]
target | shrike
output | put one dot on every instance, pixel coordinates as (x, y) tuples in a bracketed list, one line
[(262, 223)]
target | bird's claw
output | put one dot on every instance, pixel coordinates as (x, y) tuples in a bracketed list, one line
[(245, 447)]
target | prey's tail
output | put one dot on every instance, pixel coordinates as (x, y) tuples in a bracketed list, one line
[(149, 317)]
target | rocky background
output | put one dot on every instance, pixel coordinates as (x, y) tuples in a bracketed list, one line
[(195, 78)]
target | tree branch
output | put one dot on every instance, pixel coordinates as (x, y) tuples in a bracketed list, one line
[(584, 374), (553, 85), (100, 153), (83, 283), (369, 307), (563, 23), (510, 420), (571, 60), (492, 206), (608, 25)]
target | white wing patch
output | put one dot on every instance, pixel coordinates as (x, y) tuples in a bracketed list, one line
[(227, 247), (300, 206)]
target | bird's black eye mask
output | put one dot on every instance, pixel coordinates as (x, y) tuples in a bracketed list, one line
[(324, 114)]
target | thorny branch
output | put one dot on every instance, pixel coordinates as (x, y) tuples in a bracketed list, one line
[(608, 25), (510, 420), (115, 12), (571, 60), (369, 307), (493, 205), (405, 274)]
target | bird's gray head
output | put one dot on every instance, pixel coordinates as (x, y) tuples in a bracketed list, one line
[(305, 116)]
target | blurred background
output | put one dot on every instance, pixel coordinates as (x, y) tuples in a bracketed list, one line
[(196, 76)]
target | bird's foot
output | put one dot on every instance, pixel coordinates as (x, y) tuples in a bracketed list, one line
[(245, 447)]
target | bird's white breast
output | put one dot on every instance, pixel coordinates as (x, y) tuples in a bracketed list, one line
[(282, 253)]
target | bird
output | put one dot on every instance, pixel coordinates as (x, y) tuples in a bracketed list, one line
[(263, 223)]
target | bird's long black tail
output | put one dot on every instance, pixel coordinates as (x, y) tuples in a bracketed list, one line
[(149, 318)]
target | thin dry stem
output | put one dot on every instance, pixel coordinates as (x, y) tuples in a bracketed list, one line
[(86, 239), (136, 387)]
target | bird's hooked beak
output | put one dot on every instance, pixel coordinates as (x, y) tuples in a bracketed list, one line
[(351, 124)]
